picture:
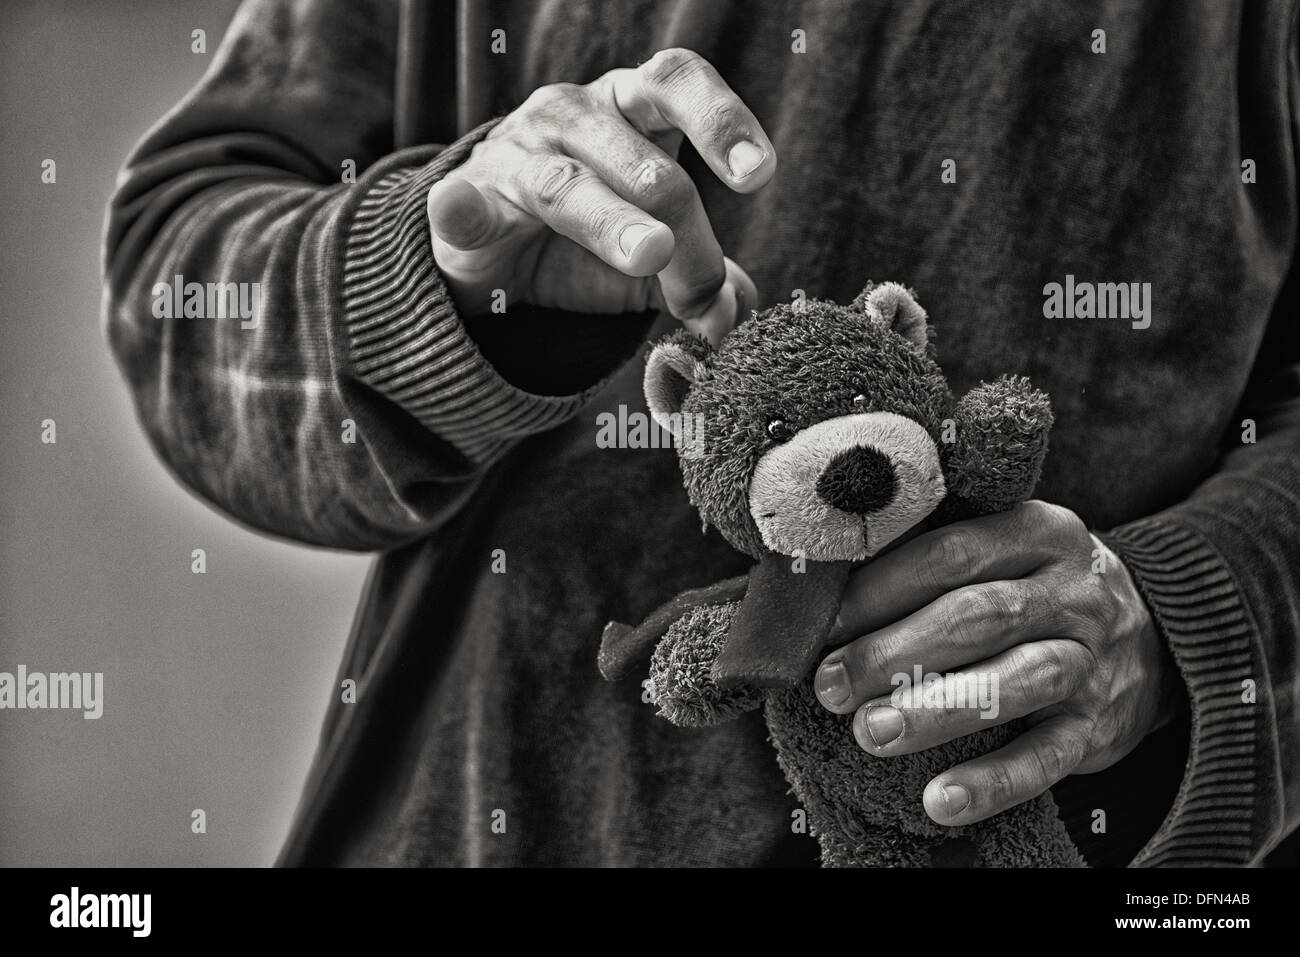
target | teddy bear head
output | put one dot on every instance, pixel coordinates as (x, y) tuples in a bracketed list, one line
[(814, 429)]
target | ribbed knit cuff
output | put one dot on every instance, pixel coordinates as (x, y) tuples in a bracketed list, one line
[(404, 337), (1198, 609)]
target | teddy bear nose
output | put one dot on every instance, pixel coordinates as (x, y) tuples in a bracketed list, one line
[(858, 480)]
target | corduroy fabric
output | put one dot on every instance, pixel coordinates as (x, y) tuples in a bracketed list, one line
[(1199, 611), (404, 336)]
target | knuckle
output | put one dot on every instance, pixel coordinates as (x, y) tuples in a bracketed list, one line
[(660, 185), (1084, 740), (1058, 521), (720, 120), (1087, 609), (1003, 603), (1078, 619), (958, 633), (952, 556), (999, 786), (1021, 672), (550, 98), (1035, 510), (555, 180), (603, 223), (1062, 753), (1048, 763), (478, 155), (1050, 674), (493, 158), (876, 659), (980, 609), (672, 67), (1034, 602)]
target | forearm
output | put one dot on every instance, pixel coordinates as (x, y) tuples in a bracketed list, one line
[(354, 410), (267, 417), (1219, 574)]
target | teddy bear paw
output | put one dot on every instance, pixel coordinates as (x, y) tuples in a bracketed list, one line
[(681, 683)]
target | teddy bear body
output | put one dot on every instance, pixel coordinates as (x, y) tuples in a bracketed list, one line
[(823, 435)]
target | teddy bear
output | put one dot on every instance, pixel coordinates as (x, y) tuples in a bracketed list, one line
[(813, 438)]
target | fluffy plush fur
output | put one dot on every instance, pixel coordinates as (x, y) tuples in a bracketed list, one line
[(797, 366), (829, 431)]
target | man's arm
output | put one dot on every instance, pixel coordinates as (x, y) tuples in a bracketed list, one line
[(1100, 641), (1221, 574), (1094, 649), (360, 410), (356, 412)]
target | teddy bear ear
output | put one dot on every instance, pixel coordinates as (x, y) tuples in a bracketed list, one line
[(675, 364), (895, 307)]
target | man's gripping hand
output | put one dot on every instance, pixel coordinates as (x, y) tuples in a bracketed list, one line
[(1028, 597), (576, 200)]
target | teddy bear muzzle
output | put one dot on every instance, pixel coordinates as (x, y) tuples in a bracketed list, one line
[(844, 488)]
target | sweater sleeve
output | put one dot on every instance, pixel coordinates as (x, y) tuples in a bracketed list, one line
[(1219, 573), (354, 410)]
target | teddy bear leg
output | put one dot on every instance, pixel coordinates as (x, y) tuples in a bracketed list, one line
[(858, 822), (681, 684), (868, 812), (847, 840), (1028, 835)]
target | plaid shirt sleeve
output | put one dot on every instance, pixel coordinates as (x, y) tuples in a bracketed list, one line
[(355, 412)]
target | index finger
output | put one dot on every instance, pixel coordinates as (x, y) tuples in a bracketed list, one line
[(678, 89), (901, 581)]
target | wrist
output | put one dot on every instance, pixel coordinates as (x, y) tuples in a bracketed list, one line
[(1165, 682)]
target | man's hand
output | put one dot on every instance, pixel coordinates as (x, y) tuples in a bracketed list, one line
[(575, 200), (1022, 596)]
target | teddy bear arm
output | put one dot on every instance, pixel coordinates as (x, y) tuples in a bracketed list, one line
[(624, 648), (1001, 439)]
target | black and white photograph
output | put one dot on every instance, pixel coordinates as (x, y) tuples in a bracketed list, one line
[(651, 434)]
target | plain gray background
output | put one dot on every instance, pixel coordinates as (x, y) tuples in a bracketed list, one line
[(214, 685)]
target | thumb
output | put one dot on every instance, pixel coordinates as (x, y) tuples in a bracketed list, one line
[(461, 216)]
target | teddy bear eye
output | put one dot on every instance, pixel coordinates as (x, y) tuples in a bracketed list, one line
[(859, 401), (779, 430)]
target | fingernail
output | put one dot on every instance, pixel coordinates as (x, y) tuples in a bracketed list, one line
[(884, 724), (833, 683), (956, 797), (633, 236), (744, 158)]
